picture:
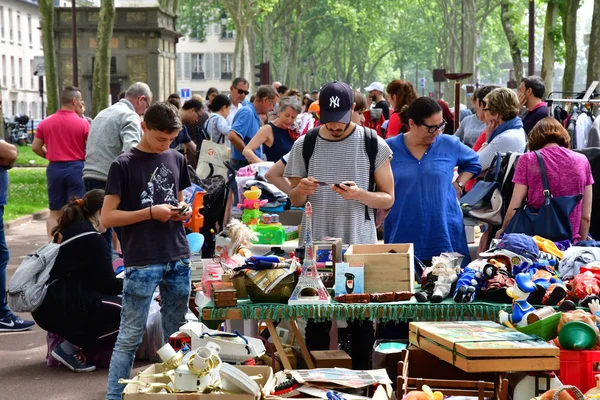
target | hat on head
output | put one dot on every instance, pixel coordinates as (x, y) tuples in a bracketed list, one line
[(336, 100), (375, 86), (518, 243)]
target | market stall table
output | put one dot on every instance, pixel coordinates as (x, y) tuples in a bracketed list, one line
[(401, 311)]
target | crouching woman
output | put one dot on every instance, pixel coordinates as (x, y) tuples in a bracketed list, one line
[(82, 304)]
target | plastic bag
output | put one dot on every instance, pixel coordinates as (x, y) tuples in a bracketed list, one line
[(153, 337)]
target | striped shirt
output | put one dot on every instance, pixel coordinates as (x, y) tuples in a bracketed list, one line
[(334, 162)]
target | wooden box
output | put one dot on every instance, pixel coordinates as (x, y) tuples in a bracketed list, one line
[(388, 267), (223, 294), (484, 346), (331, 359)]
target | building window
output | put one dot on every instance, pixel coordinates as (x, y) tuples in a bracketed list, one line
[(197, 66), (13, 105), (3, 70), (225, 34), (227, 66), (178, 62), (2, 22), (18, 27), (113, 65), (29, 30), (13, 81), (20, 72), (31, 73), (10, 25)]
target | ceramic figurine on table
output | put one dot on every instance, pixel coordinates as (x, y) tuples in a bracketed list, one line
[(439, 279), (520, 292), (251, 206)]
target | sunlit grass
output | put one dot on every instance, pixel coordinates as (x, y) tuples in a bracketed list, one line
[(27, 192), (26, 156)]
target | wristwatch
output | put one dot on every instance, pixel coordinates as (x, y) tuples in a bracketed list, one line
[(460, 184)]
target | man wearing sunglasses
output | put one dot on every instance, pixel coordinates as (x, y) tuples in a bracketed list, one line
[(247, 122), (238, 92)]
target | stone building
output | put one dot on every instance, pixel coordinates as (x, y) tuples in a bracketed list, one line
[(19, 44), (142, 49)]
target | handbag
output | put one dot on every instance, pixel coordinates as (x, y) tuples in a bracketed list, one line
[(484, 202), (551, 220), (212, 156)]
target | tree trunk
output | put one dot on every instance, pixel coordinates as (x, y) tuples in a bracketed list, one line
[(593, 71), (101, 79), (470, 33), (51, 73), (549, 52), (569, 23), (511, 37)]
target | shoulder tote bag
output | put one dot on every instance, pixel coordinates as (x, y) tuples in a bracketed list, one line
[(484, 201), (212, 156), (551, 220)]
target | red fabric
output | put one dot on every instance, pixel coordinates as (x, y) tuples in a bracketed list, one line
[(393, 128), (476, 147), (538, 105), (373, 124), (64, 134)]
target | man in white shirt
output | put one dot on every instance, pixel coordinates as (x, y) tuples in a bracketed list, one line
[(238, 91)]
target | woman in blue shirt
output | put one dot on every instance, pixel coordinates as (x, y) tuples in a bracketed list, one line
[(426, 211)]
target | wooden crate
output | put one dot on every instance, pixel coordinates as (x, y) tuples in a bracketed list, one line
[(484, 346), (385, 271)]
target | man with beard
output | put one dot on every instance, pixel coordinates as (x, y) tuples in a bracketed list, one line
[(336, 180), (376, 90)]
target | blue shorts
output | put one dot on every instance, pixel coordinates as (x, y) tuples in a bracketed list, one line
[(65, 181)]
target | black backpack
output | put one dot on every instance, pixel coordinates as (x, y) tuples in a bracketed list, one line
[(310, 140)]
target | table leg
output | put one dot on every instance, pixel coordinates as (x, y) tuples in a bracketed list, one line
[(302, 344), (282, 356)]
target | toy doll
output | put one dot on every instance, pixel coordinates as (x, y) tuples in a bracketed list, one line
[(521, 308), (251, 206)]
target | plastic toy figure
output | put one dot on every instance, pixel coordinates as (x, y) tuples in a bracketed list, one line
[(521, 308), (251, 206), (440, 278), (468, 284)]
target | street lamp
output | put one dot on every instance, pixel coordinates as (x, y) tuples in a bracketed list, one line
[(223, 18)]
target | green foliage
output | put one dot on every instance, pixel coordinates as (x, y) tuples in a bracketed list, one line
[(27, 192), (315, 41)]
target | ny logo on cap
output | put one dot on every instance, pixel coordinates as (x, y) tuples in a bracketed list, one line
[(334, 102)]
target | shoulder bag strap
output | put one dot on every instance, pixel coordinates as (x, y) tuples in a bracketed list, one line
[(547, 193), (498, 162), (79, 236)]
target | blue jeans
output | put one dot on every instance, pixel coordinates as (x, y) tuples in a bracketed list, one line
[(174, 281), (4, 310)]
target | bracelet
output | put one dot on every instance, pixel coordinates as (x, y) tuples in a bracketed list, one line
[(151, 212)]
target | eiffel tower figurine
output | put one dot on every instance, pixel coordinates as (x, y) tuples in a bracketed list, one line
[(310, 288)]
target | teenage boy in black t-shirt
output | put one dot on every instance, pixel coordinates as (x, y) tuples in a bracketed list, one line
[(144, 196)]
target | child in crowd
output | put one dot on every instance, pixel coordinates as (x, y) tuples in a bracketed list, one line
[(144, 196)]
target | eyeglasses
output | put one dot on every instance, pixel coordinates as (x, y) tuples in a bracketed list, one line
[(435, 128), (242, 91)]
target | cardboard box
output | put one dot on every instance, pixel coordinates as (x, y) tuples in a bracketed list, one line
[(484, 346), (131, 390), (388, 267), (331, 359)]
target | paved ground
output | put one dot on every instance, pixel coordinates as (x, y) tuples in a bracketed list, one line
[(23, 371)]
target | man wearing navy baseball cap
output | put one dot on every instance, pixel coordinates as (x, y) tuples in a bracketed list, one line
[(333, 172)]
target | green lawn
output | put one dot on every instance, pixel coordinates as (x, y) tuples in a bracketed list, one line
[(26, 156), (27, 192)]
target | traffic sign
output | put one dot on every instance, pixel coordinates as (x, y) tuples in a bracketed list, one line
[(186, 93), (38, 66), (422, 82)]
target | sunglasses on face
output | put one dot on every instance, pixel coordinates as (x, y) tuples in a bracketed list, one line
[(435, 128), (242, 91)]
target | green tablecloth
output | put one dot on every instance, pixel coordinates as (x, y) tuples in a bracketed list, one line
[(401, 311)]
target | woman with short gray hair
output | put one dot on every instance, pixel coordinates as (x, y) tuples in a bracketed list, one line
[(275, 135), (504, 127)]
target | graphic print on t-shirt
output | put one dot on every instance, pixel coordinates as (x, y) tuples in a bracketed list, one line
[(160, 188)]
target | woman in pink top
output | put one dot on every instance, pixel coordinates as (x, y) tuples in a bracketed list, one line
[(569, 174)]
